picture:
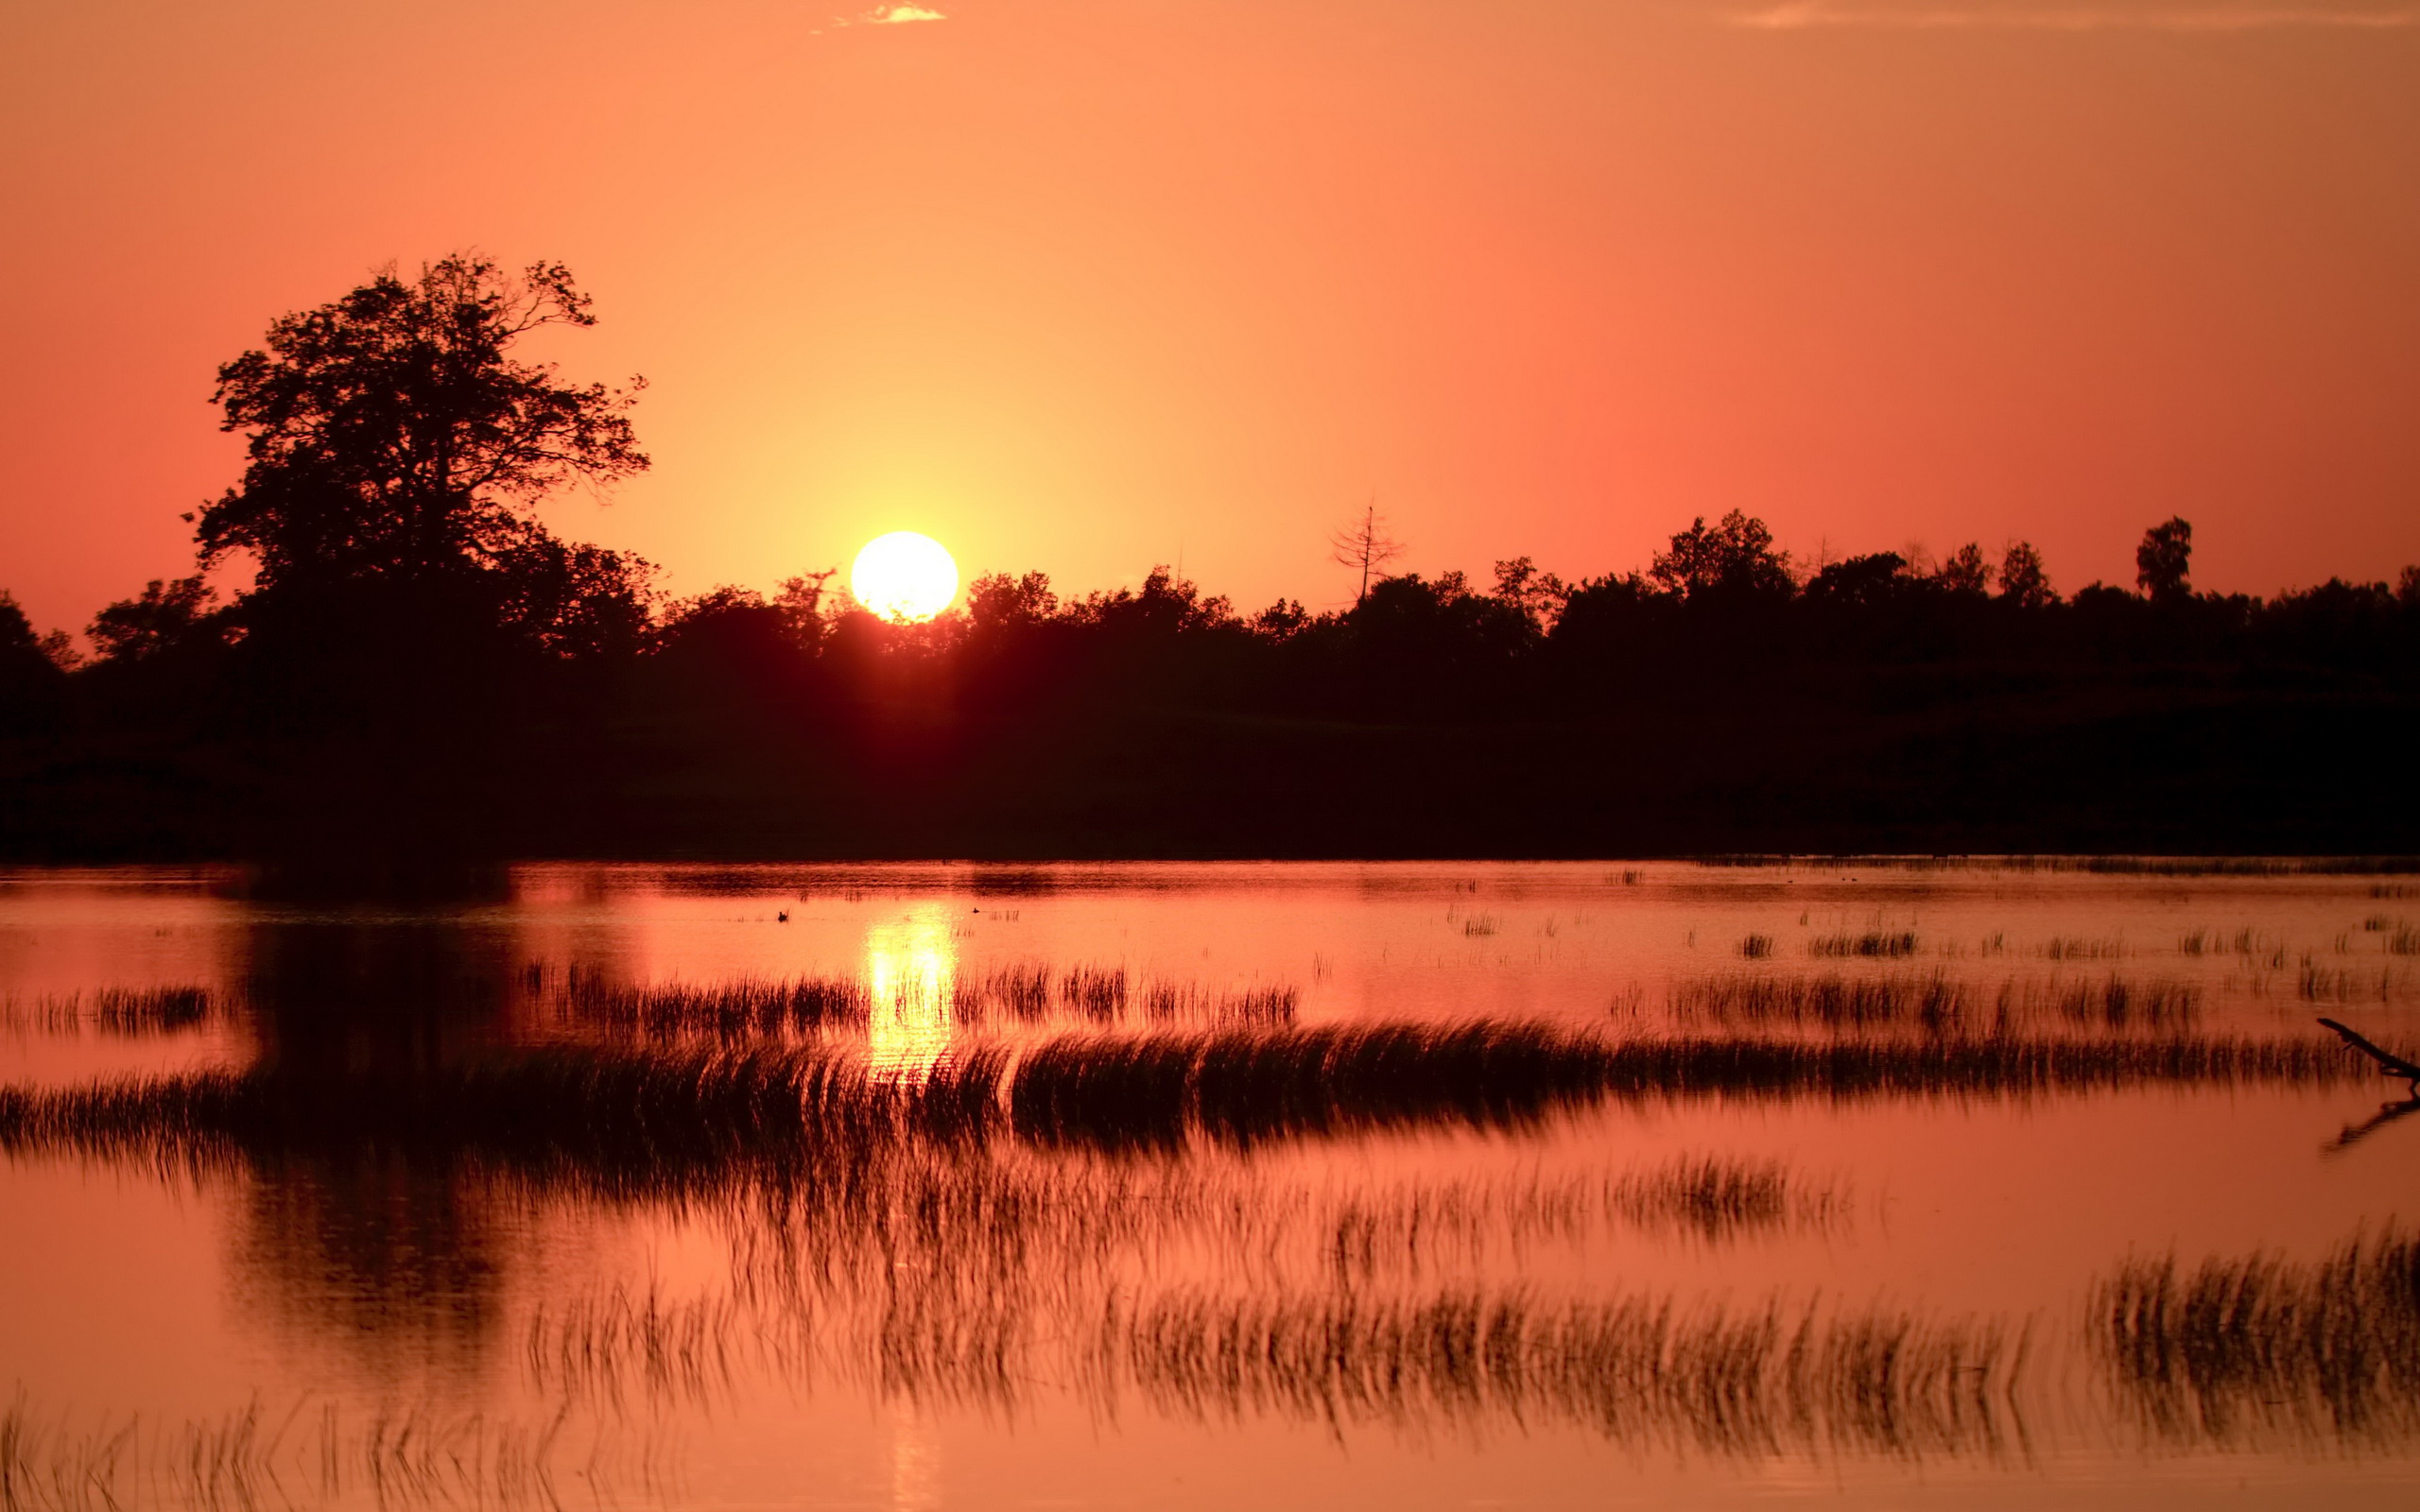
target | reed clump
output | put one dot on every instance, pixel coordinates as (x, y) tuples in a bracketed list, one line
[(1872, 942), (2121, 1002), (1717, 1200), (738, 1009), (123, 1012), (742, 1010), (2073, 948), (2236, 1350), (1935, 1003), (599, 1347), (1748, 1383), (1163, 1002), (1932, 999), (1017, 990), (252, 1457)]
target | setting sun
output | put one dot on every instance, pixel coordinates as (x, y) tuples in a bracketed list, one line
[(904, 576)]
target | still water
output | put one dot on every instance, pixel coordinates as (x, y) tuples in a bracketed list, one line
[(1209, 1186)]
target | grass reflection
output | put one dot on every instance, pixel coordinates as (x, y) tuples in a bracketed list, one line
[(2241, 1351)]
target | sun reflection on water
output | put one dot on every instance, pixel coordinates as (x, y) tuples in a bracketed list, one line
[(911, 968)]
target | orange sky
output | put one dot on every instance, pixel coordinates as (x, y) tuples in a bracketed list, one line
[(1087, 284)]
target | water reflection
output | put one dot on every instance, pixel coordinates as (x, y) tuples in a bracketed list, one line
[(911, 973), (389, 1254), (396, 1264), (935, 1160), (385, 997)]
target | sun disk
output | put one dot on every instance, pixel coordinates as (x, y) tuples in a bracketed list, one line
[(904, 576)]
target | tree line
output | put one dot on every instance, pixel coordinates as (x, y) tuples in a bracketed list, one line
[(413, 644)]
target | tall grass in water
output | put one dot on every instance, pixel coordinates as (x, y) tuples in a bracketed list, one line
[(2239, 1350), (1163, 1002), (125, 1012), (1934, 1002), (1751, 1384), (1718, 1200), (671, 1118), (747, 1009), (1872, 942), (2073, 948), (308, 1455), (741, 1008), (603, 1348), (1754, 1381), (1019, 990), (1094, 992)]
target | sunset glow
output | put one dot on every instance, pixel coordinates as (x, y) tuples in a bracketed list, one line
[(1196, 278), (904, 576)]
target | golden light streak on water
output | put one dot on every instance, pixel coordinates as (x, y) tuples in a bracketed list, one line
[(911, 968)]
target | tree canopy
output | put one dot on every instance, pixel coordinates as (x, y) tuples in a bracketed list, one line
[(395, 435)]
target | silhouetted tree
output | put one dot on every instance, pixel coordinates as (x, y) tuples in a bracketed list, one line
[(2162, 561), (394, 437), (1733, 560), (1964, 571), (2023, 581), (1163, 606), (165, 614), (801, 602), (995, 601), (1860, 581), (31, 676), (1282, 621), (1537, 596), (1364, 547)]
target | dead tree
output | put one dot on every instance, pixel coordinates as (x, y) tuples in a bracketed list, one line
[(1363, 545), (2389, 1065)]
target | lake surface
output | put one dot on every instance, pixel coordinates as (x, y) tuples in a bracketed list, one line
[(1211, 1185)]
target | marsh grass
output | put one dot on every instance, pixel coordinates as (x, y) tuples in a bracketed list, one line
[(1019, 990), (1872, 942), (1754, 1382), (1165, 1001), (1757, 947), (1094, 992), (2071, 947), (738, 1009), (1716, 1201), (744, 1010), (118, 1012), (670, 1118), (2239, 1350), (615, 1344), (1933, 999), (310, 1455), (1935, 1003), (2314, 982), (2124, 1003)]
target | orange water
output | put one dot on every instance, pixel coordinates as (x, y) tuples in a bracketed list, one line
[(478, 1332)]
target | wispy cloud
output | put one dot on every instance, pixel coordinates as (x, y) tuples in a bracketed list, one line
[(886, 15), (1811, 15)]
